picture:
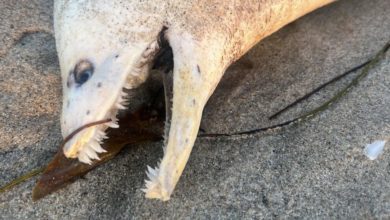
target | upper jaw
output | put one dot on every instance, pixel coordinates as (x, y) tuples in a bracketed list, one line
[(86, 144)]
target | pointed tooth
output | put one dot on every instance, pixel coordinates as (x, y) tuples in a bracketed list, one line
[(114, 119), (128, 86), (123, 94), (96, 146), (119, 100), (154, 171), (113, 125), (150, 169), (102, 134), (151, 173), (98, 139), (83, 157), (124, 101), (120, 106), (153, 46), (150, 176), (91, 153), (113, 122)]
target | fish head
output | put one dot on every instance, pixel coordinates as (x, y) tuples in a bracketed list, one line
[(105, 49)]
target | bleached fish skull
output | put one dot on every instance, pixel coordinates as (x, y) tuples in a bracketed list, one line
[(104, 47), (108, 46)]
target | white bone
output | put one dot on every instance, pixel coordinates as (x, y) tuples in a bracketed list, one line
[(224, 36)]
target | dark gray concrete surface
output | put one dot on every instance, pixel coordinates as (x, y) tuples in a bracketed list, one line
[(314, 170)]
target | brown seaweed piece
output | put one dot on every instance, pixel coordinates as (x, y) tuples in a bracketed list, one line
[(143, 125)]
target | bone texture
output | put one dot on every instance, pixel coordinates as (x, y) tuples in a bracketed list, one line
[(205, 36)]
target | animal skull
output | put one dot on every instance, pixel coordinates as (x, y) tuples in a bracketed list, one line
[(106, 49)]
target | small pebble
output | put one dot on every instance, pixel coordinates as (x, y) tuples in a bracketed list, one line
[(373, 150)]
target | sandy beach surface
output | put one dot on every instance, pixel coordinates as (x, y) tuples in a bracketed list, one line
[(313, 170)]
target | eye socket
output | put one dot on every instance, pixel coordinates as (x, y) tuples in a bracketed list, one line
[(83, 71), (83, 77)]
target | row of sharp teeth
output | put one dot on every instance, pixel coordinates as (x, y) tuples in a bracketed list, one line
[(152, 176), (91, 150)]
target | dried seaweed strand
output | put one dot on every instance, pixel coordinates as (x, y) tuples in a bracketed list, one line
[(319, 109), (38, 171), (78, 130), (21, 179), (354, 69)]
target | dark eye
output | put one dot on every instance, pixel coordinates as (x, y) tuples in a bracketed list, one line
[(83, 71)]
